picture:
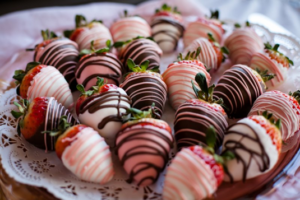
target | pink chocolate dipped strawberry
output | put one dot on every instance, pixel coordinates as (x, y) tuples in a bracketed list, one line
[(285, 107), (202, 26), (43, 81), (40, 115), (178, 76), (272, 61), (194, 117), (129, 27), (243, 43), (98, 63), (167, 27), (195, 172), (84, 152), (86, 32), (211, 54), (143, 146)]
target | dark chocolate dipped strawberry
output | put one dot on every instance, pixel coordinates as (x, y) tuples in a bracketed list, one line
[(40, 115), (60, 53), (85, 32), (195, 116), (83, 151), (239, 87), (167, 27), (143, 146), (139, 49), (98, 63), (196, 172), (145, 87), (43, 81)]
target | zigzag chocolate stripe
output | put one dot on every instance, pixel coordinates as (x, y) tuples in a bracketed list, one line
[(106, 66), (239, 88), (166, 32), (145, 89), (61, 54), (139, 51), (192, 121)]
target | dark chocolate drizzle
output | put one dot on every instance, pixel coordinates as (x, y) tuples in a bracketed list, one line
[(234, 146)]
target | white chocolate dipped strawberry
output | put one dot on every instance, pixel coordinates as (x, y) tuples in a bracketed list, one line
[(43, 81), (178, 76), (272, 61), (129, 27), (104, 109), (86, 32)]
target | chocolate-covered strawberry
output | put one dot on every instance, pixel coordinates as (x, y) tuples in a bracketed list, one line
[(273, 61), (195, 172), (211, 54), (239, 87), (256, 144), (145, 87), (60, 53), (98, 63), (167, 27), (104, 110), (85, 32), (139, 49), (40, 115), (43, 81), (195, 116), (84, 152), (143, 146)]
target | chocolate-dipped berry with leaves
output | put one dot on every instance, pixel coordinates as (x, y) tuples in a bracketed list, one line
[(129, 27), (104, 110), (211, 53), (239, 87), (178, 76), (98, 63), (256, 143), (58, 52), (243, 43), (43, 81), (194, 117), (40, 115), (202, 26), (143, 146), (167, 27), (274, 62), (196, 172), (84, 152), (285, 107), (139, 49), (145, 87), (85, 32)]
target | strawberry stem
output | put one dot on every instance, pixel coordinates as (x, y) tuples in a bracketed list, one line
[(269, 116), (264, 75), (137, 114), (140, 68), (119, 44), (47, 35), (100, 82), (98, 51), (20, 74), (62, 127), (81, 89), (275, 48), (214, 14), (189, 55), (22, 107), (296, 95), (168, 8)]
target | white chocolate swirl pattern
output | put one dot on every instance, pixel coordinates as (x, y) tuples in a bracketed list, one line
[(239, 88), (130, 27), (178, 78), (242, 43), (207, 53), (144, 89), (166, 31), (106, 66), (263, 62), (140, 50), (61, 54), (189, 177), (89, 157), (49, 82), (280, 105), (95, 31), (254, 151)]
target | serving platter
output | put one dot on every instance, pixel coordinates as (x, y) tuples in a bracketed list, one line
[(31, 166)]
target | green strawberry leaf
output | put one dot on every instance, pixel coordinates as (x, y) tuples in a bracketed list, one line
[(68, 33), (200, 78), (211, 137), (237, 25)]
